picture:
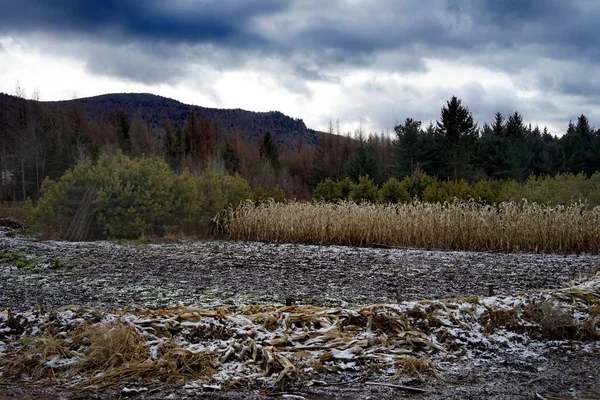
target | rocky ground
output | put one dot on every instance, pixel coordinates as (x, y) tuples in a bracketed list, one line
[(230, 274)]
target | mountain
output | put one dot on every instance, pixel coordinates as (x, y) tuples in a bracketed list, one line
[(156, 109)]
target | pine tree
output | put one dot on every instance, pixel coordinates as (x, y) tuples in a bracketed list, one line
[(407, 147), (498, 126), (123, 126), (515, 130), (363, 162), (460, 131), (269, 151), (578, 145), (170, 147)]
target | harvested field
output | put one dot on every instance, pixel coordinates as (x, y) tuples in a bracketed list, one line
[(211, 313)]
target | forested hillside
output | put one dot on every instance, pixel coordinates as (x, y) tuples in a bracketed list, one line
[(154, 110)]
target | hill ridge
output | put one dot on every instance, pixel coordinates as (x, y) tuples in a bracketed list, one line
[(155, 109)]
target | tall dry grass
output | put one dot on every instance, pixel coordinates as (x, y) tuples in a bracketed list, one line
[(511, 226)]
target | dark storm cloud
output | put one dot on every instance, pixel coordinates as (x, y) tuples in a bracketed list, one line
[(182, 21), (331, 33), (549, 46), (557, 28)]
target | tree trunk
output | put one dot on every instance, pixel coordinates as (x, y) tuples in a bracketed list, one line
[(23, 168), (37, 173), (2, 170)]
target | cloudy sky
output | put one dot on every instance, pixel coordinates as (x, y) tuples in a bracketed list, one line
[(369, 62)]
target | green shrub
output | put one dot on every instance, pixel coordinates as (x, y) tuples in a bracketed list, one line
[(416, 183), (561, 189), (23, 264), (392, 191), (136, 197), (440, 192), (261, 195), (327, 190), (57, 263), (365, 191), (346, 186), (487, 192)]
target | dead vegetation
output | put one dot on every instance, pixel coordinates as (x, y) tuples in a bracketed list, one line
[(510, 226), (107, 355), (411, 365), (94, 349)]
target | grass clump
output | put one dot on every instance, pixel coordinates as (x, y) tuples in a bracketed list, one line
[(556, 323), (413, 366), (18, 260), (57, 263), (106, 355)]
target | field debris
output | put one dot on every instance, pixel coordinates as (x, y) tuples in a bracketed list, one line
[(281, 346)]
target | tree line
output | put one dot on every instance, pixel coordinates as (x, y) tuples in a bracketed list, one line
[(456, 148), (39, 141)]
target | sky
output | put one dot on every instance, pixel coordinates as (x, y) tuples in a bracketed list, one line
[(366, 63)]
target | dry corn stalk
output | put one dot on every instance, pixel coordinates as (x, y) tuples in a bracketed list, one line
[(279, 343), (510, 226)]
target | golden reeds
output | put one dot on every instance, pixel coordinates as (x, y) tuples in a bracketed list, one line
[(510, 226)]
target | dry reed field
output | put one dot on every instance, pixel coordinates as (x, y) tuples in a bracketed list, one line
[(510, 226)]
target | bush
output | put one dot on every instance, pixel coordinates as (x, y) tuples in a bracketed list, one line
[(365, 191), (346, 186), (327, 190), (440, 192), (261, 195), (562, 189), (487, 192), (136, 197), (416, 184), (392, 191), (332, 191)]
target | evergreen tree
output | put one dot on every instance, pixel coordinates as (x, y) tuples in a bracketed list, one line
[(578, 145), (170, 147), (269, 151), (123, 127), (231, 157), (460, 131), (515, 130), (494, 159), (363, 162), (407, 147), (498, 126)]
